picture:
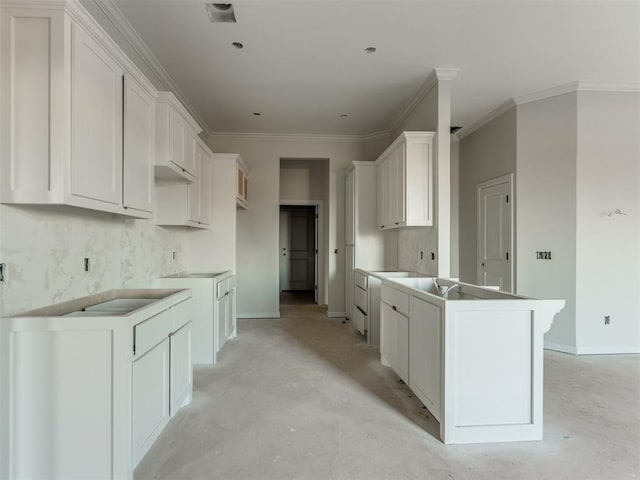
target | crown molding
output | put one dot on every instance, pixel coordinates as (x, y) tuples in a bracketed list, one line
[(437, 75), (624, 87), (300, 137), (495, 113), (547, 93), (381, 135), (120, 22)]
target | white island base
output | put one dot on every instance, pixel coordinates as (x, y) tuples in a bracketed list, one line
[(473, 357)]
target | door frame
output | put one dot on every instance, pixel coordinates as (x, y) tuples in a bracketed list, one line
[(508, 179), (320, 257)]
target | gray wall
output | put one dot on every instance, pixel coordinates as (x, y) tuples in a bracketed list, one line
[(487, 153), (546, 206)]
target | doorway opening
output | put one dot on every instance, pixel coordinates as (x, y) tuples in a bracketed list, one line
[(298, 251)]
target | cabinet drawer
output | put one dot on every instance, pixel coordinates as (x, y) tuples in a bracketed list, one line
[(181, 314), (395, 298), (362, 299), (362, 280), (361, 320), (151, 332)]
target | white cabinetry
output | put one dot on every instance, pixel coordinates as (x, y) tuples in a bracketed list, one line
[(394, 331), (213, 310), (364, 242), (187, 204), (62, 115), (425, 356), (177, 137), (405, 182), (242, 183), (92, 385)]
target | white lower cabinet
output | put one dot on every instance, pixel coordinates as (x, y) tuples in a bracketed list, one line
[(150, 404), (226, 308), (181, 375), (425, 367), (394, 334), (92, 382)]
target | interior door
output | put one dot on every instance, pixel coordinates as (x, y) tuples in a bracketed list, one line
[(495, 233), (301, 250), (284, 250)]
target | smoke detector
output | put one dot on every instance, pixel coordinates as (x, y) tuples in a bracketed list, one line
[(220, 12)]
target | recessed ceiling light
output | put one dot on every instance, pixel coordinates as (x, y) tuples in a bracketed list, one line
[(220, 12), (370, 50), (238, 45), (343, 115), (256, 114)]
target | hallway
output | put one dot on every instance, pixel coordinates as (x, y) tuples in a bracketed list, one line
[(304, 397)]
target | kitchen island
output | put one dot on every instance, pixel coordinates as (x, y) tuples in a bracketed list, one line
[(472, 355)]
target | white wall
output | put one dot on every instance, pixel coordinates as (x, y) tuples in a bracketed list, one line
[(487, 153), (44, 248), (455, 192), (308, 180), (608, 247), (258, 290)]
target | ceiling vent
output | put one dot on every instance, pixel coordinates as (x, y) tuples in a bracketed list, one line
[(455, 129), (220, 12)]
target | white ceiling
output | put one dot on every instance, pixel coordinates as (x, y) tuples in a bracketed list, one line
[(303, 62)]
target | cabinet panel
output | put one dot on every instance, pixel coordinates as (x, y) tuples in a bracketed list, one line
[(96, 115), (349, 269), (350, 221), (425, 354), (387, 333), (176, 138), (193, 195), (150, 402), (222, 305), (138, 147), (181, 372), (401, 358), (205, 189)]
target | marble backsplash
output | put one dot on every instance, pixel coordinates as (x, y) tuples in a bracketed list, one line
[(412, 241), (44, 248)]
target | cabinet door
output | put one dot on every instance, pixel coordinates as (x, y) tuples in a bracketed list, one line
[(193, 195), (176, 138), (399, 167), (205, 189), (222, 306), (384, 193), (401, 360), (231, 314), (350, 224), (181, 368), (96, 121), (387, 333), (425, 354), (190, 151), (150, 399), (138, 180)]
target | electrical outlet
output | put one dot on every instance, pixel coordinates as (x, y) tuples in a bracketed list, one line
[(86, 264), (3, 272), (607, 319)]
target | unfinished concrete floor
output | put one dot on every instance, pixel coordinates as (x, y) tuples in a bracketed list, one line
[(304, 397)]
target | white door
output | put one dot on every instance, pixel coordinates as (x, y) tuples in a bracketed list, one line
[(495, 233), (284, 250), (350, 224)]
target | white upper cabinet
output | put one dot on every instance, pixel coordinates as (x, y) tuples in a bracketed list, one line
[(176, 134), (65, 84), (139, 122), (242, 190), (405, 182), (187, 204)]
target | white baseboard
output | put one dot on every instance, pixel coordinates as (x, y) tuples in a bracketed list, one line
[(259, 315), (559, 347), (608, 350), (336, 314)]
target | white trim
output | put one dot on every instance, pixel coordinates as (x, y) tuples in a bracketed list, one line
[(268, 315), (559, 347), (120, 22), (577, 86), (437, 75), (508, 179), (337, 314), (381, 135), (493, 114), (628, 350), (298, 137)]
